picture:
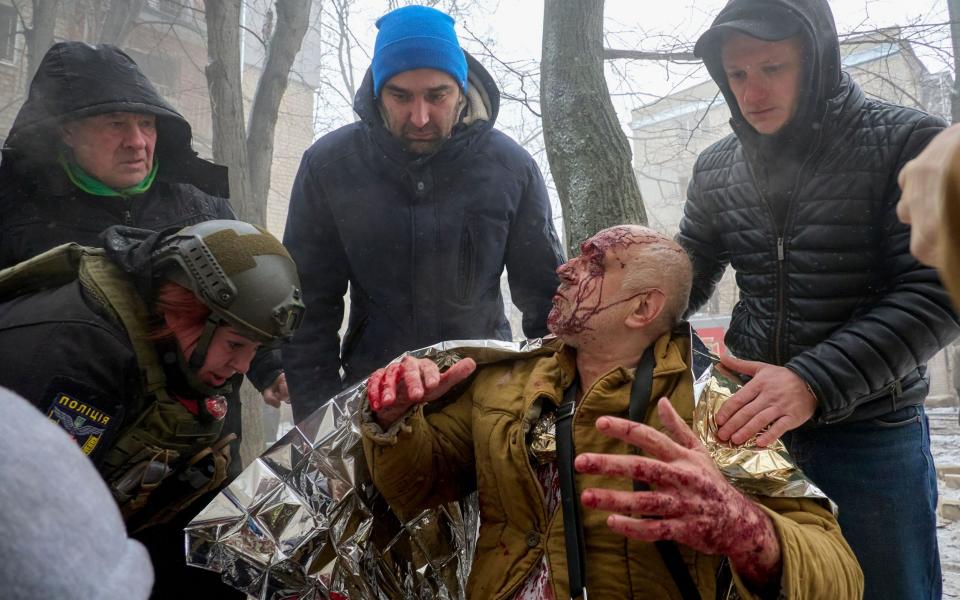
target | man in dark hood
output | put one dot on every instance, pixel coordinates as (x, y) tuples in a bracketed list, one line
[(419, 206), (96, 145), (836, 320)]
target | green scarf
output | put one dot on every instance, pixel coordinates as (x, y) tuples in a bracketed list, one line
[(95, 187)]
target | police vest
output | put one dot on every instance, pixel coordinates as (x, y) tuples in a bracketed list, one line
[(163, 438)]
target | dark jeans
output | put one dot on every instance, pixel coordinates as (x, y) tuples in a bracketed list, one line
[(880, 473)]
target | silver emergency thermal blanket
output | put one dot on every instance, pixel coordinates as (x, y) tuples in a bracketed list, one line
[(304, 520)]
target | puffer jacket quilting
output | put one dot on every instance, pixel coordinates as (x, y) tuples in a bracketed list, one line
[(846, 306)]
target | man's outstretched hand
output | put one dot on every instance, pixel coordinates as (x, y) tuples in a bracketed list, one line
[(395, 388), (690, 501)]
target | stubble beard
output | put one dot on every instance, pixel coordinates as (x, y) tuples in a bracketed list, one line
[(424, 147)]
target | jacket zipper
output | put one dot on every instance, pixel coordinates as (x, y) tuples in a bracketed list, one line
[(413, 265), (781, 256), (128, 212), (778, 344), (895, 390), (781, 301)]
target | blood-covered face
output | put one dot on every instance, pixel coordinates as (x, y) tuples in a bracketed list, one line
[(591, 295)]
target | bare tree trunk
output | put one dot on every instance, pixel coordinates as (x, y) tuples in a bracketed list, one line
[(118, 20), (293, 17), (230, 148), (40, 34), (344, 46), (953, 9), (226, 104), (249, 156), (588, 152)]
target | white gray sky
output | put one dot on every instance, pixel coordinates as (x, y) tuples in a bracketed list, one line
[(658, 24)]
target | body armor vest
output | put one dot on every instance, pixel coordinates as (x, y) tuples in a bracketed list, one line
[(162, 438)]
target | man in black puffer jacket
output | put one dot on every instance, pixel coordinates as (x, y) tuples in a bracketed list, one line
[(419, 206), (836, 320)]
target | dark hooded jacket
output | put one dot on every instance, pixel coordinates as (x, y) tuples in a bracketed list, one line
[(806, 217), (422, 240), (40, 208)]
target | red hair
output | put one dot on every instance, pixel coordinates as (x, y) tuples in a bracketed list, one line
[(175, 300)]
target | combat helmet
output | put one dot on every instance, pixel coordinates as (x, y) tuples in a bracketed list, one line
[(241, 272)]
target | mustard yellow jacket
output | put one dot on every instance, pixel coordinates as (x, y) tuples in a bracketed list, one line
[(478, 440)]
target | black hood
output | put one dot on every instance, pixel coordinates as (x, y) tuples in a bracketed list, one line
[(77, 80), (366, 105), (131, 249), (822, 54)]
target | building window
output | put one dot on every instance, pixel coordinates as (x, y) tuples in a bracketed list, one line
[(8, 32)]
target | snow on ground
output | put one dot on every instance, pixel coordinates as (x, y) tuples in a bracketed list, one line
[(945, 444)]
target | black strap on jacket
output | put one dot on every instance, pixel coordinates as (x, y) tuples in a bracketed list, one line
[(569, 500), (639, 403)]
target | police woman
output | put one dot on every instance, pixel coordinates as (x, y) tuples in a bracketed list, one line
[(136, 350)]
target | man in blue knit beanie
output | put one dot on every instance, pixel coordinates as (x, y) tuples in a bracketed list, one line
[(417, 37), (419, 207), (419, 75)]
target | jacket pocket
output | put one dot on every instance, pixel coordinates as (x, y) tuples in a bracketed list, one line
[(351, 340), (483, 244), (466, 263), (899, 418)]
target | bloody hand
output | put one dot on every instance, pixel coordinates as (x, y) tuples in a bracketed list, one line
[(691, 502), (392, 390)]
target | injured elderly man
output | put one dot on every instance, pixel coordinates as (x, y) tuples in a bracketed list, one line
[(589, 475)]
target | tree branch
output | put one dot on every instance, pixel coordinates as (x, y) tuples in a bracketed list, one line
[(292, 19), (672, 56)]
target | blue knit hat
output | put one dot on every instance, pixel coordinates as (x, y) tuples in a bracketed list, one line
[(416, 37)]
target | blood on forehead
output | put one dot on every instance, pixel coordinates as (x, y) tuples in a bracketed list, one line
[(588, 300), (622, 238)]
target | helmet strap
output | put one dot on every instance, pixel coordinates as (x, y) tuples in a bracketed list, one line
[(191, 368), (199, 355)]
